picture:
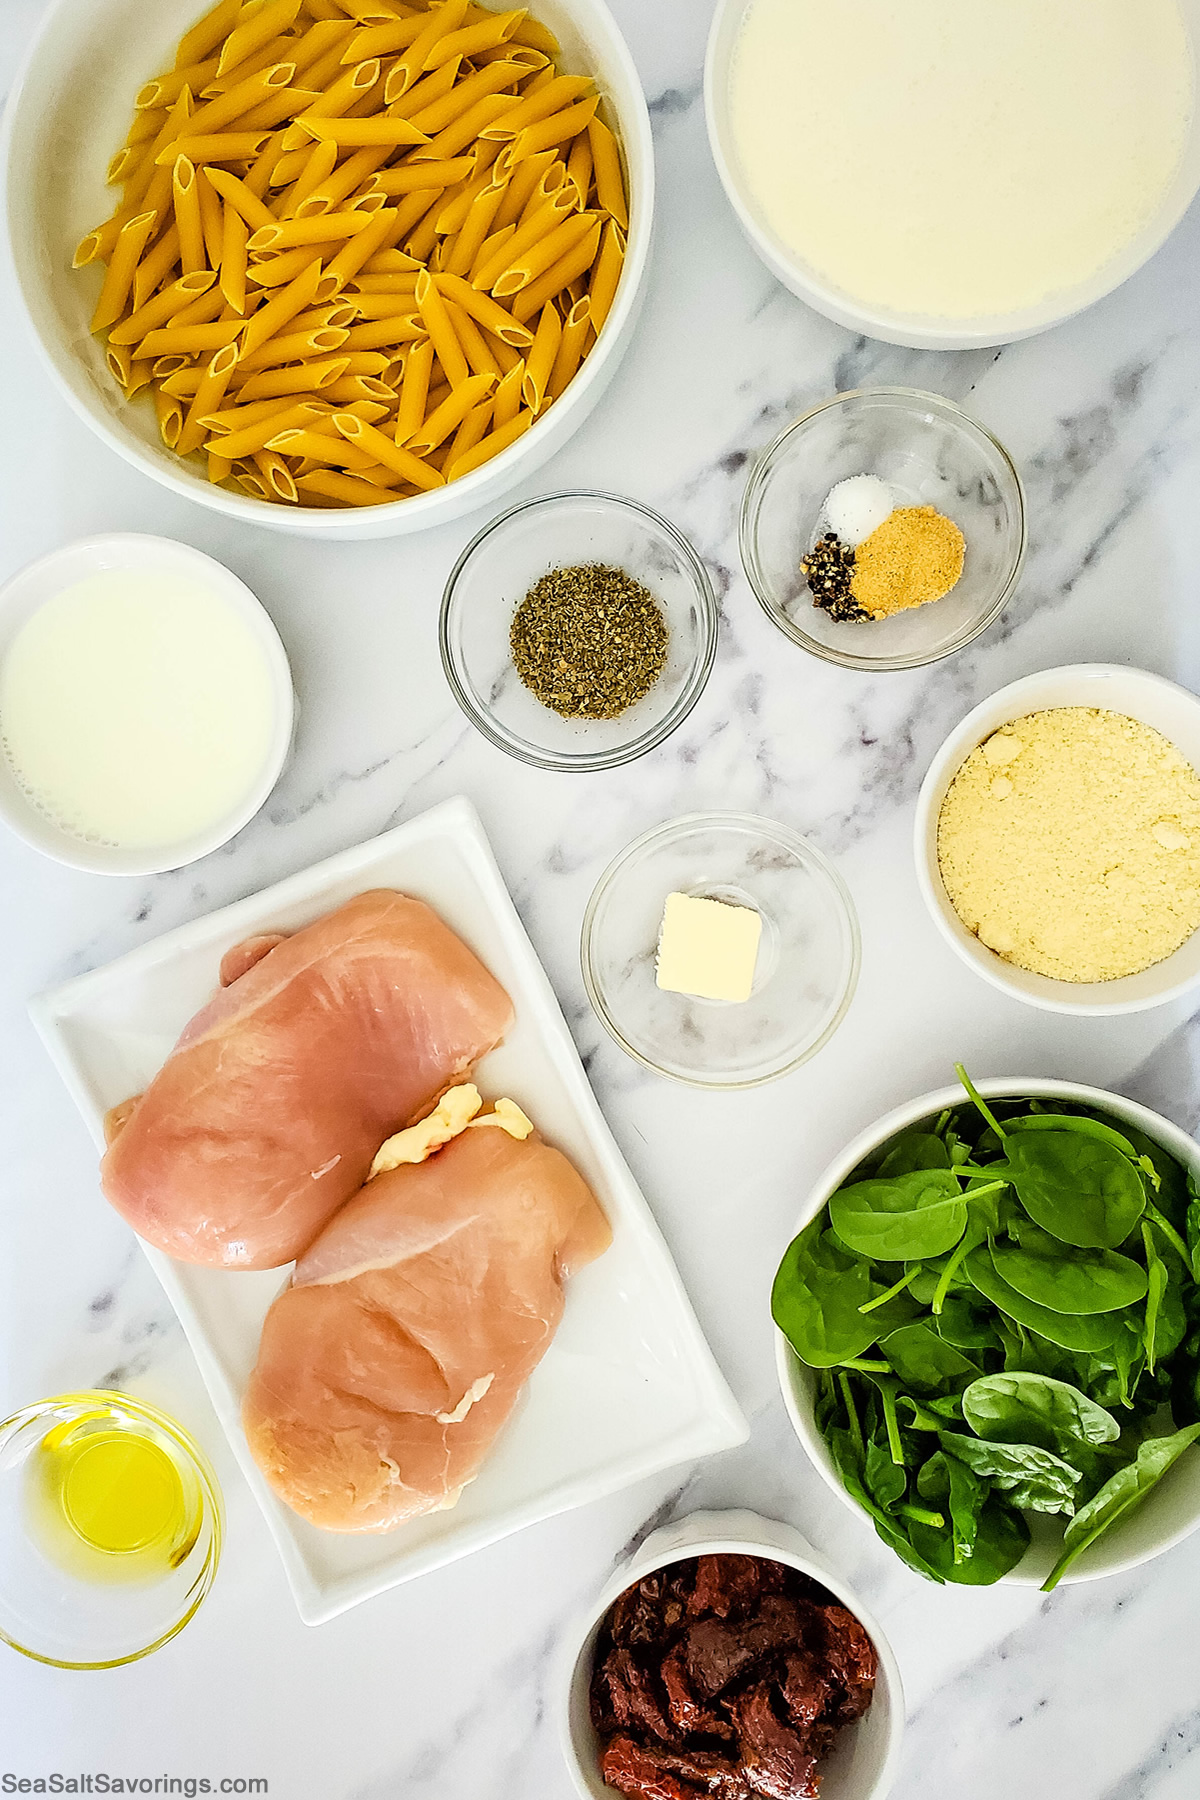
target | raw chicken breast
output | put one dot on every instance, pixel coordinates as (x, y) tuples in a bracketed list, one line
[(390, 1364), (265, 1117)]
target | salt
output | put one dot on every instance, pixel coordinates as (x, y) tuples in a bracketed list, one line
[(857, 506)]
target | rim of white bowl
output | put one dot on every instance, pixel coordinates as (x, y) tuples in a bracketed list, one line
[(582, 761), (737, 1531), (919, 331), (93, 554), (995, 1087), (1082, 1000), (418, 510), (751, 506)]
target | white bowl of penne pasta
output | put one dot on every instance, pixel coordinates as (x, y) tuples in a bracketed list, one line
[(356, 267)]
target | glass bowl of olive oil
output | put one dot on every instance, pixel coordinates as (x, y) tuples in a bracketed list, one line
[(110, 1529)]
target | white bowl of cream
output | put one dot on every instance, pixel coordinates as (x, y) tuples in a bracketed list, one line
[(146, 704), (942, 175)]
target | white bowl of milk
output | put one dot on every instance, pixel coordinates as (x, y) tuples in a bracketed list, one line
[(146, 704), (942, 174)]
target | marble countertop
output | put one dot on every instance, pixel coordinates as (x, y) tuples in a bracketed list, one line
[(438, 1691)]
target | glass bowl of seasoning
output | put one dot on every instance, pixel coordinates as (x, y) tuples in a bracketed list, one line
[(110, 1529), (884, 529), (720, 949), (578, 630)]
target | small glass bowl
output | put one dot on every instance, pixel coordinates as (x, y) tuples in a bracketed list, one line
[(933, 454), (496, 571), (808, 955), (58, 1603)]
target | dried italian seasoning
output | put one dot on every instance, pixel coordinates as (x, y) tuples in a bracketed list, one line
[(588, 641)]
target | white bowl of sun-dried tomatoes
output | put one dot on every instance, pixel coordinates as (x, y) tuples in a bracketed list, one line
[(725, 1658)]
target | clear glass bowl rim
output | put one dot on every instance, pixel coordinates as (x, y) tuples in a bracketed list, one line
[(748, 531), (210, 1488), (697, 678), (807, 853)]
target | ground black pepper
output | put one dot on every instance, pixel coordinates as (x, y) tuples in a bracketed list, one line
[(588, 641), (828, 569)]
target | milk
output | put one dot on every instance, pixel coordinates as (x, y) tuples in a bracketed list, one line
[(136, 708), (960, 158)]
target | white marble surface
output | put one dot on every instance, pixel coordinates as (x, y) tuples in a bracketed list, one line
[(439, 1691)]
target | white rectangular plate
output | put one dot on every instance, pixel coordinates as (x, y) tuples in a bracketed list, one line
[(628, 1386)]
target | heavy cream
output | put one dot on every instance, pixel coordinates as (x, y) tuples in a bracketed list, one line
[(136, 708), (960, 158)]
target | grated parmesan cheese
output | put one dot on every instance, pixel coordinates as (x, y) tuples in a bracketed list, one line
[(1081, 861)]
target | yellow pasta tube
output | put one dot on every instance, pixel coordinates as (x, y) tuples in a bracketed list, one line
[(540, 360), (321, 341), (118, 279), (252, 436), (400, 297), (212, 221), (310, 377), (579, 165), (162, 307), (473, 428), (559, 128), (543, 220), (187, 215), (208, 32), (484, 310), (441, 112), (385, 40), (508, 395), (489, 248), (286, 234), (438, 24), (606, 162), (378, 286), (189, 340), (252, 482), (423, 93), (606, 273), (119, 358), (208, 397), (239, 101), (414, 390), (317, 167), (236, 418), (156, 265), (335, 101), (362, 390), (182, 382), (555, 95), (543, 255), (164, 89), (169, 414), (137, 185), (163, 367), (218, 146), (346, 488), (284, 305), (480, 357), (233, 258), (345, 179), (570, 349), (449, 415), (374, 333), (381, 447), (469, 40), (576, 262), (496, 441), (436, 320), (276, 474), (538, 36), (357, 251), (320, 40), (468, 126), (219, 468), (458, 255), (277, 271), (245, 39), (238, 195), (321, 447), (358, 133)]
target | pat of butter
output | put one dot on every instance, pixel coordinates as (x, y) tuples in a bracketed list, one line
[(708, 948)]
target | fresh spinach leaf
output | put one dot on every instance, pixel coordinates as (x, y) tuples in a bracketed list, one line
[(1035, 1480), (841, 1449), (924, 1361), (1079, 1189), (886, 1479), (961, 1493), (1082, 1123), (1072, 1283), (1118, 1495), (916, 1150), (965, 1324), (1071, 1332), (816, 1297), (1022, 1408), (906, 1218), (1001, 1540)]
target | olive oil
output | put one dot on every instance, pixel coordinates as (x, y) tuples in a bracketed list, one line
[(111, 1498)]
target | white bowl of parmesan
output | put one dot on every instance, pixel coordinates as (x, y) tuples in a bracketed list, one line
[(1057, 840)]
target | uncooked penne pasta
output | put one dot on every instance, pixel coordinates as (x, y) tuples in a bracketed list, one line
[(348, 234)]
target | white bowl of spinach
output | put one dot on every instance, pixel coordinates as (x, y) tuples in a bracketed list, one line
[(989, 1332)]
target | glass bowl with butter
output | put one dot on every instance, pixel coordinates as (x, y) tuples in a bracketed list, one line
[(721, 950)]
